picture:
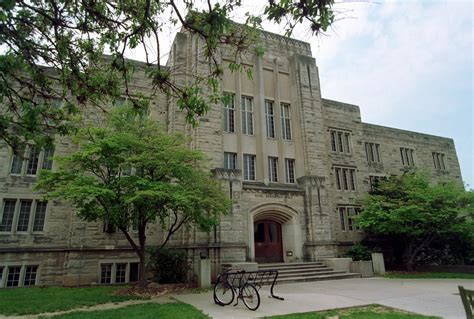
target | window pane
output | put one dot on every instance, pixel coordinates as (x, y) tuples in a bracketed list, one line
[(290, 170), (1, 274), (8, 213), (273, 233), (13, 278), (286, 121), (17, 163), (30, 275), (24, 216), (347, 142), (230, 160), (247, 115), (249, 167), (105, 273), (48, 159), (270, 119), (342, 218), (338, 178), (333, 141), (32, 166), (259, 233), (273, 169), (229, 113), (120, 272), (40, 215)]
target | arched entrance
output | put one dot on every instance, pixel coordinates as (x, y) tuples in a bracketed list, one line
[(268, 241), (274, 233)]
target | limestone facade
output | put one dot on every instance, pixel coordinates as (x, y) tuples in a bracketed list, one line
[(294, 164)]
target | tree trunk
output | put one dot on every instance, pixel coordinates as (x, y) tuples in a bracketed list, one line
[(142, 272)]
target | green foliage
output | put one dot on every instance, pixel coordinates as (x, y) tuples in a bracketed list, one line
[(359, 252), (39, 300), (169, 265), (131, 173), (54, 51), (411, 211)]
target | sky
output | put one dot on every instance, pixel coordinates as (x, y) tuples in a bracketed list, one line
[(407, 64)]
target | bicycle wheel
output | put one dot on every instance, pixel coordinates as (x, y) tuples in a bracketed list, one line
[(223, 293), (251, 297)]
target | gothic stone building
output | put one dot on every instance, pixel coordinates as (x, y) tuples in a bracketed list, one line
[(294, 164)]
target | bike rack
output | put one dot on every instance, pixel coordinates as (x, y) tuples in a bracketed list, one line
[(238, 279)]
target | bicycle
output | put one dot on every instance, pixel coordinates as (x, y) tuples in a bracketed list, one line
[(225, 290)]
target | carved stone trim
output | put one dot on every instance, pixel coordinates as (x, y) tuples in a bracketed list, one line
[(312, 180), (227, 174)]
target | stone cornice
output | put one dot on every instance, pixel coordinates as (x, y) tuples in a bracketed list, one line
[(312, 180), (227, 174)]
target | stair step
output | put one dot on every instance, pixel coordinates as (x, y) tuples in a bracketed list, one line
[(317, 277), (311, 274), (299, 267), (290, 264), (302, 271)]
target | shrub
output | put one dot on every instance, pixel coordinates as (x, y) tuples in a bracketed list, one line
[(359, 252), (169, 265)]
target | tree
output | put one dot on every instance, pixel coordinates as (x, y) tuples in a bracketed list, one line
[(409, 210), (130, 173), (53, 51)]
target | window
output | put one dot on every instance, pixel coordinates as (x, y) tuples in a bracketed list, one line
[(438, 161), (249, 167), (13, 276), (290, 170), (347, 216), (230, 160), (229, 113), (340, 141), (407, 156), (120, 273), (40, 214), (106, 273), (285, 121), (35, 159), (372, 152), (108, 227), (1, 275), (30, 275), (48, 159), (345, 178), (24, 215), (8, 213), (374, 180), (270, 119), (273, 169), (116, 272), (247, 115), (17, 163)]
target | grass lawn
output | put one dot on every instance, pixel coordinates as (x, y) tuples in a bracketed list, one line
[(143, 311), (22, 301), (367, 312), (428, 275)]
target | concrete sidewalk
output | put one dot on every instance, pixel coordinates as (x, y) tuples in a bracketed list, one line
[(436, 297)]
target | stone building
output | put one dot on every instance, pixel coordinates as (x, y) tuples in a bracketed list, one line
[(294, 164)]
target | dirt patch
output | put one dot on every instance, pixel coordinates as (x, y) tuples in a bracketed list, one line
[(155, 290)]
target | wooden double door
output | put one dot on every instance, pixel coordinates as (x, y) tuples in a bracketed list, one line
[(268, 241)]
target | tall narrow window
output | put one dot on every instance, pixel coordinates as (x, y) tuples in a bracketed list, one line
[(48, 159), (40, 214), (247, 115), (249, 167), (286, 121), (33, 157), (290, 170), (24, 216), (105, 273), (30, 275), (333, 141), (230, 160), (270, 119), (229, 113), (13, 277), (120, 272), (1, 274), (7, 216), (438, 161), (407, 157), (342, 217), (17, 163), (345, 178), (372, 152), (273, 169), (340, 141)]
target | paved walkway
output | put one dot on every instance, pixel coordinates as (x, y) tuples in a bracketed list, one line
[(436, 297)]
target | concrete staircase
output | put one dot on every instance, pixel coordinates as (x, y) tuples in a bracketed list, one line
[(306, 271)]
